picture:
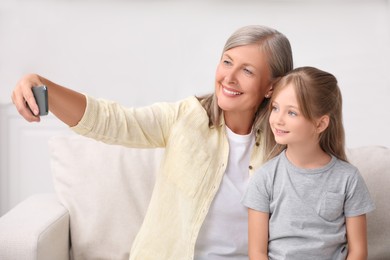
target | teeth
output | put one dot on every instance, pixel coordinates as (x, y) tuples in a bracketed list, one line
[(281, 131), (231, 92)]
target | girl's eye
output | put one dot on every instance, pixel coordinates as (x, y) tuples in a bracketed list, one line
[(274, 108), (292, 113)]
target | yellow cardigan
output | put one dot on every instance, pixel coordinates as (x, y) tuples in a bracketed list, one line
[(191, 171)]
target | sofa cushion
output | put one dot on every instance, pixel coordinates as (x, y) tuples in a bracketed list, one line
[(374, 165), (106, 189)]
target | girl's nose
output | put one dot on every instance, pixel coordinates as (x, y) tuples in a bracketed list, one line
[(279, 118)]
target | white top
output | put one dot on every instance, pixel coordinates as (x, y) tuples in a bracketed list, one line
[(224, 233)]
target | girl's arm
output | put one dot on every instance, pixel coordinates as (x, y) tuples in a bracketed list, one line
[(357, 237), (258, 235)]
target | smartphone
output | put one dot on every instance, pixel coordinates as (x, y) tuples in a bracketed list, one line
[(41, 98)]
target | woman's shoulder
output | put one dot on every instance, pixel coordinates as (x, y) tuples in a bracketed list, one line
[(188, 103)]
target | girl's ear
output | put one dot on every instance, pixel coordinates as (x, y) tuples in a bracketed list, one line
[(322, 123)]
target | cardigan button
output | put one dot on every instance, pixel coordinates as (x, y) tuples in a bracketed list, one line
[(250, 167)]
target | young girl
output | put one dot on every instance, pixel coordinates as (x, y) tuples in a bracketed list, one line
[(307, 202)]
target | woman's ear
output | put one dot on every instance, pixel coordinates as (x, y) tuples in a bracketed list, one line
[(270, 91), (268, 94), (322, 123)]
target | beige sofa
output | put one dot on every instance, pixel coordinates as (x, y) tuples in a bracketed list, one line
[(102, 192)]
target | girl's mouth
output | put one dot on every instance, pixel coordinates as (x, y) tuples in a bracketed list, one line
[(279, 131)]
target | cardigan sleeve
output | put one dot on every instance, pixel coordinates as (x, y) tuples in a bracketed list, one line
[(143, 127)]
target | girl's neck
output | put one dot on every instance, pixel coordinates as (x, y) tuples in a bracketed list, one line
[(308, 157)]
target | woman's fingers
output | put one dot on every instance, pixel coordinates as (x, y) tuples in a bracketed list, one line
[(23, 98)]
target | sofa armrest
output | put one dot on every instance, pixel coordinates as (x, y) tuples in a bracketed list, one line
[(35, 229)]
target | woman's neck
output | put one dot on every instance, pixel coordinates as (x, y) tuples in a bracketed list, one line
[(239, 123)]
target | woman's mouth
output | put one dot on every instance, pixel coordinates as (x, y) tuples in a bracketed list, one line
[(230, 92)]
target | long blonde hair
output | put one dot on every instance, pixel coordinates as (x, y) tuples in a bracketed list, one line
[(276, 47), (318, 94)]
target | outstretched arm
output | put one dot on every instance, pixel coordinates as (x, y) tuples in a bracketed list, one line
[(357, 237), (66, 104), (258, 235)]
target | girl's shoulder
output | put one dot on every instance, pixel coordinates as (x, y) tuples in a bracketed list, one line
[(346, 167), (269, 168)]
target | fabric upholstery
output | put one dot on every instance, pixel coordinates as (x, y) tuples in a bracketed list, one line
[(106, 189), (36, 229), (374, 165)]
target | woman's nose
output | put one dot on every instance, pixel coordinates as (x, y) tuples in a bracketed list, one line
[(231, 77)]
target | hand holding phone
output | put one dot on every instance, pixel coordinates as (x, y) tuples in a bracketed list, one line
[(41, 98)]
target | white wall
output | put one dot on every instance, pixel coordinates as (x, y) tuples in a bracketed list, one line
[(140, 52)]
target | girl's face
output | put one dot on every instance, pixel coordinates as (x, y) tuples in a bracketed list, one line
[(288, 124), (242, 80)]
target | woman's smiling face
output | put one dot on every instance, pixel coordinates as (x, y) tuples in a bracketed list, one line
[(242, 80)]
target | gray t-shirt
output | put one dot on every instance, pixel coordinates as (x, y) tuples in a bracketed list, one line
[(307, 207)]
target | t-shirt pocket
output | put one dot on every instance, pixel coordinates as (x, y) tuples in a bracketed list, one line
[(332, 206)]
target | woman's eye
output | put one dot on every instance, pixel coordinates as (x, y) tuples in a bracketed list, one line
[(274, 108), (227, 62), (248, 71)]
